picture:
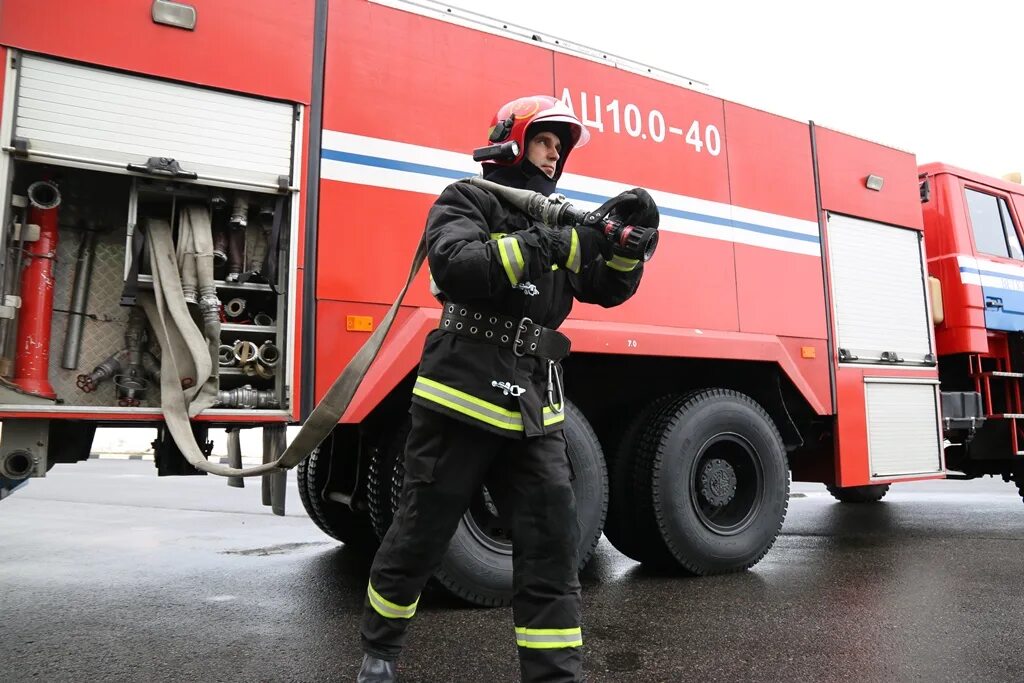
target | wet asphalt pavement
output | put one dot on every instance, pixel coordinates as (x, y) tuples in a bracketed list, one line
[(108, 573)]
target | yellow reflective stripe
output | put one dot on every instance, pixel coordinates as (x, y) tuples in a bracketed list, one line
[(551, 417), (511, 259), (548, 638), (388, 609), (520, 261), (573, 262), (621, 263), (498, 235), (477, 408), (467, 404)]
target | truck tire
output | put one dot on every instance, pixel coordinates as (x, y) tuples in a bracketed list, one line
[(859, 494), (635, 536), (477, 566), (719, 481), (335, 519), (384, 485)]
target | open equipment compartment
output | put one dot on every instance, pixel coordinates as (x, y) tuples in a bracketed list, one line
[(100, 159)]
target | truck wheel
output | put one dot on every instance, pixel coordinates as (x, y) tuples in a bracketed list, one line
[(635, 536), (335, 519), (859, 494), (719, 481), (478, 564), (384, 487)]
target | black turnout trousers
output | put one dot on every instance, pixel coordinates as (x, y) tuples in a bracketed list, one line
[(446, 463)]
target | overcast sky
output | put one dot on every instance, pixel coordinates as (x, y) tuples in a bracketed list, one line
[(943, 80)]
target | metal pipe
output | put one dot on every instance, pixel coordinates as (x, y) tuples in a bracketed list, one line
[(79, 298), (32, 359)]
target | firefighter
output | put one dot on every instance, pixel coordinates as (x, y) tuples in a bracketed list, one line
[(487, 406)]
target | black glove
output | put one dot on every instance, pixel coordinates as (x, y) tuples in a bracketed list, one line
[(589, 243), (635, 207)]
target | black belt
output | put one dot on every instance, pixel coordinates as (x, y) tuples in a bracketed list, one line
[(522, 335)]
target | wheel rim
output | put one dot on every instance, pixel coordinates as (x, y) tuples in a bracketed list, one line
[(485, 525), (727, 484)]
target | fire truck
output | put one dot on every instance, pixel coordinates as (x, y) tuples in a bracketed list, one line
[(209, 209)]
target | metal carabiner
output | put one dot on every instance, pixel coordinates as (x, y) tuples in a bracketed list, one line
[(555, 380)]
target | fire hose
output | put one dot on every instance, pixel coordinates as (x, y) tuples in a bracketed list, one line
[(179, 403)]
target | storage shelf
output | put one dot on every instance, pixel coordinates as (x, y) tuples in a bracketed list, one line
[(220, 284), (250, 286), (234, 373), (239, 328)]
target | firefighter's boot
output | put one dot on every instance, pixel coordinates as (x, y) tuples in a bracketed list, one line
[(376, 671)]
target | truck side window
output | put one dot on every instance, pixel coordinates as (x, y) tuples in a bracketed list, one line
[(994, 232)]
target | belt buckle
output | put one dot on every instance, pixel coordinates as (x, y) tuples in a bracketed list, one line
[(519, 341)]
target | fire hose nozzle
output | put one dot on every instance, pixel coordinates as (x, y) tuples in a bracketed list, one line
[(262, 320)]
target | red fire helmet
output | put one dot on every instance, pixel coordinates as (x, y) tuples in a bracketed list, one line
[(512, 120)]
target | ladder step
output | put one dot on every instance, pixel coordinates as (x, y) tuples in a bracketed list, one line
[(999, 373), (1007, 416)]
